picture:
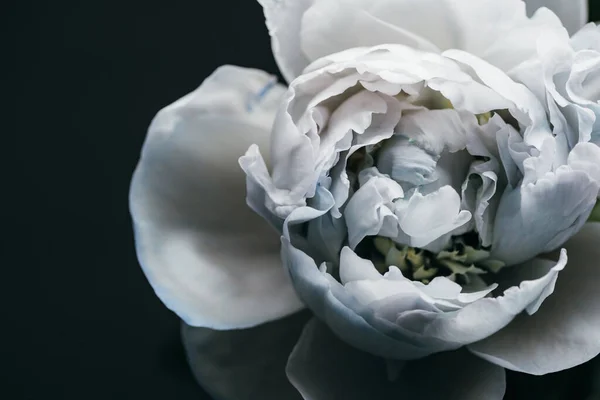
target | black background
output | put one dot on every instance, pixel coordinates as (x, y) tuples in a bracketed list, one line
[(77, 318)]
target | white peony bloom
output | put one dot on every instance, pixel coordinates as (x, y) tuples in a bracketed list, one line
[(425, 180), (413, 205)]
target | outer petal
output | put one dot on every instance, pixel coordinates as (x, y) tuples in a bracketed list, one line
[(498, 31), (322, 367), (328, 300), (331, 26), (283, 20), (208, 257), (245, 364), (573, 13), (565, 331)]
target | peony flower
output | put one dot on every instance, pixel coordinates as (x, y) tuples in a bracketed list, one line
[(424, 184)]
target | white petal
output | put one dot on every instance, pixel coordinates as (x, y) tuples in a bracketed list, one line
[(527, 109), (564, 332), (573, 13), (587, 38), (207, 255), (541, 216), (406, 162), (586, 157), (498, 31), (486, 316), (283, 20), (426, 218), (330, 26), (328, 300), (435, 130), (369, 211), (353, 268)]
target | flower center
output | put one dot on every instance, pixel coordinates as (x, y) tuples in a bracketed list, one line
[(413, 165), (464, 261)]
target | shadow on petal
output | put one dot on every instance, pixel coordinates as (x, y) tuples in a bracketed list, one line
[(322, 367), (245, 364)]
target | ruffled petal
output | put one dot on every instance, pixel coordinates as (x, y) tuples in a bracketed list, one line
[(424, 219), (572, 13), (564, 332), (396, 318), (526, 108), (328, 300), (322, 367), (539, 217), (245, 364), (369, 210), (210, 258)]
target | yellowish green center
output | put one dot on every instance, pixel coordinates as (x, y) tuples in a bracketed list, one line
[(461, 263)]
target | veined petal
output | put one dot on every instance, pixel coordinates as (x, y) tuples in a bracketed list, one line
[(322, 367), (207, 255), (572, 13), (564, 332)]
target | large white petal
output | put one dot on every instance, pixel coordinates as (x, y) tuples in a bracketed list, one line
[(283, 18), (424, 219), (572, 13), (565, 331), (207, 255), (498, 31), (331, 26), (322, 367)]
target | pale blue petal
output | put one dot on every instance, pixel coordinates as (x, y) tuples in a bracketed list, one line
[(465, 326), (326, 234), (586, 157), (564, 331), (407, 163), (369, 210), (541, 216), (392, 317), (208, 257), (329, 301), (322, 367), (424, 219)]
